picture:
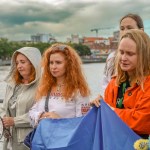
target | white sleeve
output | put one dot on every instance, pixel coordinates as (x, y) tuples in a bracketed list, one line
[(82, 105), (109, 71), (36, 110)]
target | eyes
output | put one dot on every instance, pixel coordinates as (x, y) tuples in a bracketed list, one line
[(122, 28), (55, 62), (21, 61), (127, 53)]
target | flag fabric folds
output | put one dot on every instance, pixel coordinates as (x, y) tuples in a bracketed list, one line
[(100, 129)]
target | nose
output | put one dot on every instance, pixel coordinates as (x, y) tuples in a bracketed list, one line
[(18, 65), (123, 31), (123, 57), (53, 66)]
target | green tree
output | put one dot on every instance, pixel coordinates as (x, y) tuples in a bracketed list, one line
[(41, 46), (7, 48), (82, 50), (4, 48)]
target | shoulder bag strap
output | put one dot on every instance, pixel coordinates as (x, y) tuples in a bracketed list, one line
[(46, 102)]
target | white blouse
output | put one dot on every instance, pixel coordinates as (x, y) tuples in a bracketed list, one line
[(75, 107)]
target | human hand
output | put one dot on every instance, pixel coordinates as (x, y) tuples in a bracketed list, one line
[(96, 101), (52, 115), (8, 121)]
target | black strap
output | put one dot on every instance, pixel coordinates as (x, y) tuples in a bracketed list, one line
[(144, 136), (46, 102), (121, 91)]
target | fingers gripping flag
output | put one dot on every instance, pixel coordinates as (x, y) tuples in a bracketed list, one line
[(100, 129)]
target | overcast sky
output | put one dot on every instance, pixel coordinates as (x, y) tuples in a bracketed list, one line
[(21, 18)]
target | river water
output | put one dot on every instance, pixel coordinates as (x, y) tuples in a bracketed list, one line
[(93, 73)]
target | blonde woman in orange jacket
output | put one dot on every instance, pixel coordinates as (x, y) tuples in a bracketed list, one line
[(128, 93)]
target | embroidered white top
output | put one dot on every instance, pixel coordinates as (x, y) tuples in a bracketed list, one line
[(66, 109)]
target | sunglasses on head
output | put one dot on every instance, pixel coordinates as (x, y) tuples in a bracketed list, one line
[(59, 47)]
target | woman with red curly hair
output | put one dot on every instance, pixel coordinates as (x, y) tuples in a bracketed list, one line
[(62, 86)]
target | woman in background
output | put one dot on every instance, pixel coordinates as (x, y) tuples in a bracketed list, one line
[(127, 22)]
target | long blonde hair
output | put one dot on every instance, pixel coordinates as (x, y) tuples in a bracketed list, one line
[(142, 69), (74, 78)]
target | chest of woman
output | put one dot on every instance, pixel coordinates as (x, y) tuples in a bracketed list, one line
[(131, 98), (24, 98), (63, 107)]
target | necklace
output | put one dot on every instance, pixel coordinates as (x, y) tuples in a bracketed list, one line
[(59, 86)]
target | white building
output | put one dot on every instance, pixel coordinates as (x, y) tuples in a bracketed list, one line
[(44, 38), (74, 39)]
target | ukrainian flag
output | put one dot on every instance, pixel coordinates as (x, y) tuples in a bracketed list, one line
[(100, 129)]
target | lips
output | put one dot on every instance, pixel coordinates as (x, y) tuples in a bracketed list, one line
[(20, 70), (54, 72), (124, 64)]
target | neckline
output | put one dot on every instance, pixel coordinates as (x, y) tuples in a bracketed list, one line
[(58, 87)]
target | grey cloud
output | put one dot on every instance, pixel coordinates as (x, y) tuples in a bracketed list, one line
[(69, 17), (35, 11)]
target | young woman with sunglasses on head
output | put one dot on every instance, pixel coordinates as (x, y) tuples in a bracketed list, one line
[(62, 85)]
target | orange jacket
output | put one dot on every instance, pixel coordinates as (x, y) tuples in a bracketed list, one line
[(136, 112)]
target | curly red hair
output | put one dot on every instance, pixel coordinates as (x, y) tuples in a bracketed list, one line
[(74, 78)]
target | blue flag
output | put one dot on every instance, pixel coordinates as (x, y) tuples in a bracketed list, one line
[(100, 129)]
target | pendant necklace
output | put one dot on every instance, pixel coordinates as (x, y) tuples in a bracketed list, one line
[(59, 87)]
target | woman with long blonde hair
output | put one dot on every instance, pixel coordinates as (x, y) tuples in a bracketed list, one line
[(62, 85), (128, 93)]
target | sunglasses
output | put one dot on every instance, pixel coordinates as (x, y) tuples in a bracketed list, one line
[(59, 47)]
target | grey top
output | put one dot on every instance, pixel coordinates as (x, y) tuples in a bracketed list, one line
[(12, 101)]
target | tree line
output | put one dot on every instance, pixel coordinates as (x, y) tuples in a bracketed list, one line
[(8, 47)]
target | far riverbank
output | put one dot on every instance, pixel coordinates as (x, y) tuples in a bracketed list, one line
[(84, 61), (92, 71), (5, 62)]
